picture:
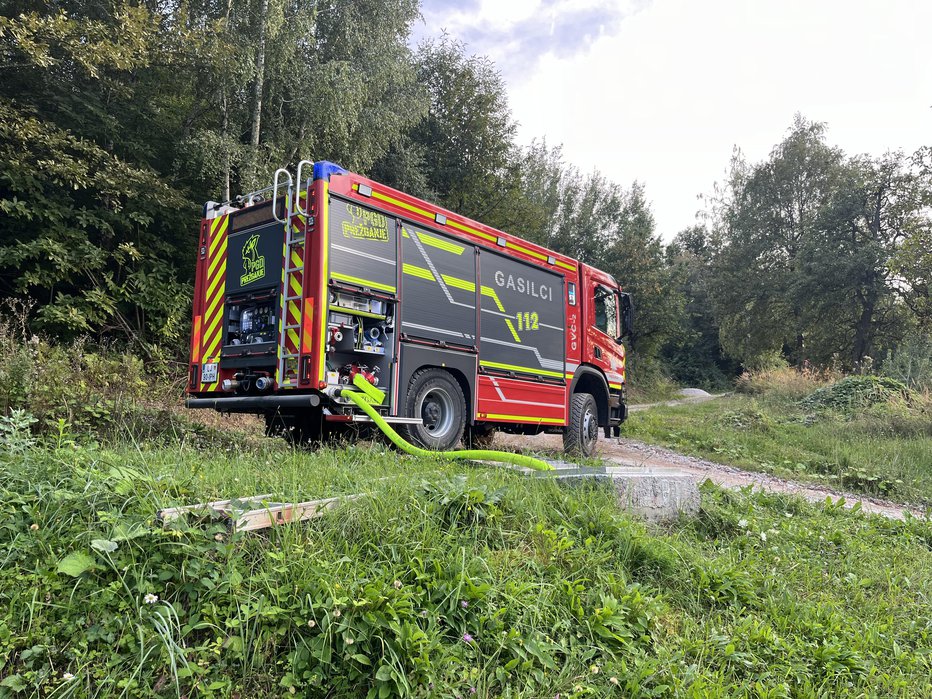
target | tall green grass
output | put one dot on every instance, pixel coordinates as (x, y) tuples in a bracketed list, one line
[(443, 581), (883, 449)]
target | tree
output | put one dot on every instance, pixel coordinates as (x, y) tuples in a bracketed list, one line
[(766, 230), (466, 138), (809, 244), (850, 278), (120, 119), (85, 230), (693, 354), (911, 264)]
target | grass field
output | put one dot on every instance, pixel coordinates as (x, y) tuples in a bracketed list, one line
[(884, 451), (446, 581)]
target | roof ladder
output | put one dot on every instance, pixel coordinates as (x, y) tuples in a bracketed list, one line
[(292, 296)]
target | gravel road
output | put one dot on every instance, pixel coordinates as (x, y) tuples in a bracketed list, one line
[(632, 453)]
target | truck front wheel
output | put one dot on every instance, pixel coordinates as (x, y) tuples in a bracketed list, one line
[(582, 432), (436, 398)]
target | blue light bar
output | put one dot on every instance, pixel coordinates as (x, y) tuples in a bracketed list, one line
[(324, 169)]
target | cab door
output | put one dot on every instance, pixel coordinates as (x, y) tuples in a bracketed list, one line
[(603, 314)]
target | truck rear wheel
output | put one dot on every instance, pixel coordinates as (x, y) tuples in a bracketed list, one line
[(582, 433), (435, 397)]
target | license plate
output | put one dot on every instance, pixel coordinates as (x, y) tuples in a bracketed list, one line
[(209, 373)]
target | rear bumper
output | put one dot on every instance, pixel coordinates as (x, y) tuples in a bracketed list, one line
[(252, 404)]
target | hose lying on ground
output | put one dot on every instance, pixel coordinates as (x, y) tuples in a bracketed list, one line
[(475, 454)]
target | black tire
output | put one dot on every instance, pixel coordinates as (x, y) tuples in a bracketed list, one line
[(435, 397), (582, 433)]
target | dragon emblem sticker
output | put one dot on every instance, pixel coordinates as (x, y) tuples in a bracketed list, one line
[(253, 262)]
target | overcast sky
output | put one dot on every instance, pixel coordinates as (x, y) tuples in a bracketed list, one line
[(662, 90)]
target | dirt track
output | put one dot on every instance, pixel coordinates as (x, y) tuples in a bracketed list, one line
[(630, 452)]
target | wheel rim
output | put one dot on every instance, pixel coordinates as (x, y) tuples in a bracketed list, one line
[(590, 430), (437, 412)]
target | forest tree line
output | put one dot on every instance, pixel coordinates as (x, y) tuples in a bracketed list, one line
[(119, 119)]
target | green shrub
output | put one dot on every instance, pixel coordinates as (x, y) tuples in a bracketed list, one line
[(77, 391), (854, 393)]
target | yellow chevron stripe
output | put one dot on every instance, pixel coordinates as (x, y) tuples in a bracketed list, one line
[(215, 223), (218, 233), (440, 243), (220, 278), (511, 327), (218, 300), (209, 333), (294, 285), (212, 349), (459, 283), (293, 336), (295, 258), (514, 367), (213, 265), (420, 272), (363, 282), (490, 292)]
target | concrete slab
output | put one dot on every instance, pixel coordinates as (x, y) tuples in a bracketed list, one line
[(655, 497), (653, 494)]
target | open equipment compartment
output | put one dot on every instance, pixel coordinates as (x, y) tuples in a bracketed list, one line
[(362, 303), (360, 338)]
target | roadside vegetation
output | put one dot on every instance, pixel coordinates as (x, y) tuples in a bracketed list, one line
[(443, 581), (865, 433)]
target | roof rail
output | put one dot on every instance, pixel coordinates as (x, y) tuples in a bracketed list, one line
[(322, 170)]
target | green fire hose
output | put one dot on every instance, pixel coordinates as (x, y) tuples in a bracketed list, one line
[(476, 454)]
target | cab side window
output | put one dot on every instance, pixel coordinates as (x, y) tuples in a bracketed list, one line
[(606, 311)]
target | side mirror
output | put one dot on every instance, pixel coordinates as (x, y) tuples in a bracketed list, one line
[(627, 317)]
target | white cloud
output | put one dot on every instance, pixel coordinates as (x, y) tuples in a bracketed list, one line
[(503, 14), (664, 96)]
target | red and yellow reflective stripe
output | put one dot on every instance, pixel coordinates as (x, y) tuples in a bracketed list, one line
[(467, 229), (307, 322), (216, 288), (196, 340)]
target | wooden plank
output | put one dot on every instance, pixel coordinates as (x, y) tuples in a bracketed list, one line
[(273, 514), (284, 513), (170, 513)]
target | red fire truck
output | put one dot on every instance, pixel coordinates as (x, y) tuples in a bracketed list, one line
[(464, 329)]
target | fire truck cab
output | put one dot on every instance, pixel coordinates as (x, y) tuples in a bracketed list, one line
[(455, 329)]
